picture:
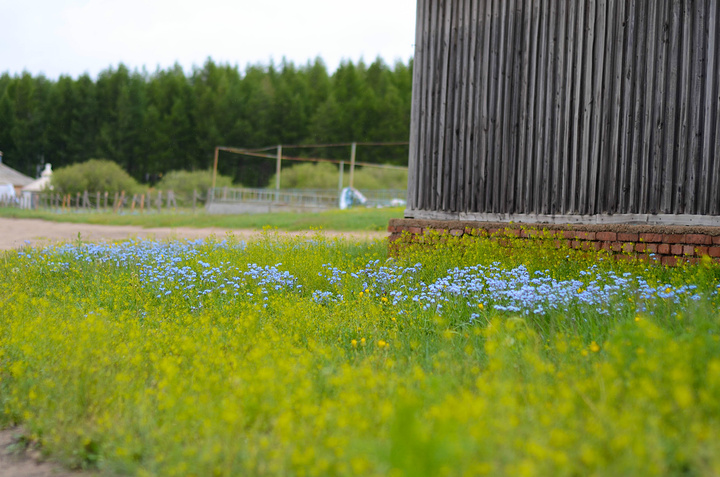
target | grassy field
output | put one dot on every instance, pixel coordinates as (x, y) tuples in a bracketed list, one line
[(340, 220), (323, 357)]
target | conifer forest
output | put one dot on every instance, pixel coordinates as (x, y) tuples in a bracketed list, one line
[(152, 123)]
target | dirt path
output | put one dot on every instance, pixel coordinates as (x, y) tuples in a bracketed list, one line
[(17, 233), (18, 462)]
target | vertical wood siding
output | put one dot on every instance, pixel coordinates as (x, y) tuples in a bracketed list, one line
[(566, 107)]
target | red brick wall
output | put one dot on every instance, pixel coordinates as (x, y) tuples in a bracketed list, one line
[(665, 244)]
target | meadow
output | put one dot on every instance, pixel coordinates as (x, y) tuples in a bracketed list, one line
[(311, 356), (356, 219)]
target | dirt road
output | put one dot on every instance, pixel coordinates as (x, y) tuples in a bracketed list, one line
[(18, 233)]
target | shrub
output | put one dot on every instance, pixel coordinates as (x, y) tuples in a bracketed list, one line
[(376, 178), (325, 176), (308, 176), (183, 183), (95, 175)]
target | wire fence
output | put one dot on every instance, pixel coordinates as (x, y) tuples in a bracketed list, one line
[(278, 157)]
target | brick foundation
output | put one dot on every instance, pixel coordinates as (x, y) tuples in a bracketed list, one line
[(668, 245)]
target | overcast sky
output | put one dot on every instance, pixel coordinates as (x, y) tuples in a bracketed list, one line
[(72, 37)]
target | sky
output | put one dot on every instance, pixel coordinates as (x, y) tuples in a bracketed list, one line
[(73, 37)]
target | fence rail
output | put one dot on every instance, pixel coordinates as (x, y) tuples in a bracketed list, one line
[(566, 107)]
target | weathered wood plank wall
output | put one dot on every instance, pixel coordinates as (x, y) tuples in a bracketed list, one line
[(563, 107)]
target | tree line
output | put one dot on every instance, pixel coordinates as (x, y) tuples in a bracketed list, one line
[(169, 120)]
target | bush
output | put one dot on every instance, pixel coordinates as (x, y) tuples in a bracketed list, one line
[(183, 183), (95, 175), (308, 176), (376, 178), (325, 176)]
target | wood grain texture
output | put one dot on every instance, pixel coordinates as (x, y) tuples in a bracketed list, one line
[(598, 107)]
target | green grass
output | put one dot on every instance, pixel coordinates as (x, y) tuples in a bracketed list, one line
[(310, 356), (340, 220)]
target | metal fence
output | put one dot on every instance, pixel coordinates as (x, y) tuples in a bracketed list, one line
[(312, 199), (565, 107), (300, 198)]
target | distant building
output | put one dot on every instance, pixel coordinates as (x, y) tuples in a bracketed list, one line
[(8, 175), (30, 192)]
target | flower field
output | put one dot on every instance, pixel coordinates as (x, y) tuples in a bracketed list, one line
[(312, 356)]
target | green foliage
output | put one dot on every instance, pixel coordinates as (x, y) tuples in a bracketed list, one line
[(183, 183), (323, 175), (307, 175), (154, 123), (377, 178), (95, 175)]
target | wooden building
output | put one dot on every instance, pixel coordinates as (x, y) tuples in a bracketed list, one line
[(566, 111)]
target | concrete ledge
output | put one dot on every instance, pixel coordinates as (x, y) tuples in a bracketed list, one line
[(540, 219)]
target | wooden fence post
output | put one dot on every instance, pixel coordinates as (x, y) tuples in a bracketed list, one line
[(121, 201), (341, 169), (353, 150), (278, 169)]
